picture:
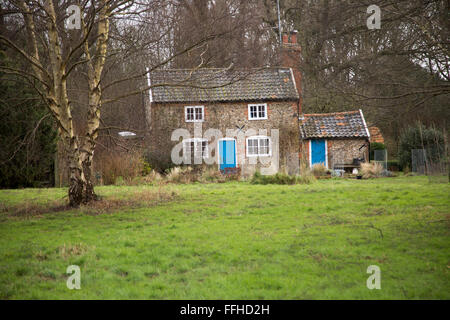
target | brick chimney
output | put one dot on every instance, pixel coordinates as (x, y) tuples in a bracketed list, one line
[(290, 58)]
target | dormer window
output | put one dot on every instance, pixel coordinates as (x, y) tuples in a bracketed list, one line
[(194, 113), (257, 111)]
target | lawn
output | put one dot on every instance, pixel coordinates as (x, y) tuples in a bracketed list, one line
[(234, 241)]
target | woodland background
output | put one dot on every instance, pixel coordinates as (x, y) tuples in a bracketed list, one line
[(398, 75)]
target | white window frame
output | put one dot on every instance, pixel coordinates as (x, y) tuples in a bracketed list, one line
[(194, 108), (257, 111), (258, 138), (196, 141)]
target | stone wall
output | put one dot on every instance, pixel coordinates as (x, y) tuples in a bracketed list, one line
[(166, 118), (340, 151), (343, 151)]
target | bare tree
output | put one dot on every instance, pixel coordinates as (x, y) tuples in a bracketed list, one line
[(397, 74), (117, 44)]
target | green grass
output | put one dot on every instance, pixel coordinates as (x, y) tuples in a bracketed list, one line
[(236, 241)]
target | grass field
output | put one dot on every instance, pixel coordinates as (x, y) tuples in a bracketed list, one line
[(233, 241)]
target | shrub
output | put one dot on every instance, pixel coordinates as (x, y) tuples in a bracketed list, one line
[(203, 174), (146, 167), (280, 178), (306, 175), (371, 170), (306, 179), (319, 170), (212, 174), (181, 175), (393, 165), (375, 146), (420, 137), (119, 168), (152, 177)]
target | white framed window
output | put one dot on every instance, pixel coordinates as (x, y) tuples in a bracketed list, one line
[(197, 148), (194, 113), (257, 111), (259, 146)]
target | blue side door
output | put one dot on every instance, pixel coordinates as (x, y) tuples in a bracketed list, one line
[(318, 152), (227, 154)]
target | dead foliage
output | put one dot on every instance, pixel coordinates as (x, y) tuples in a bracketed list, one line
[(69, 250), (319, 170), (119, 168), (30, 209), (133, 200), (202, 174), (371, 170)]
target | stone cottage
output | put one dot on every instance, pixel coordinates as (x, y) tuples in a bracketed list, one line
[(338, 140), (246, 119)]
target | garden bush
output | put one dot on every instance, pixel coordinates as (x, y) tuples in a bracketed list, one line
[(203, 174), (420, 137), (120, 168), (375, 146), (394, 165), (319, 170), (281, 178), (371, 170)]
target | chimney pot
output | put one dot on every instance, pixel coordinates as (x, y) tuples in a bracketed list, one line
[(285, 38), (294, 36)]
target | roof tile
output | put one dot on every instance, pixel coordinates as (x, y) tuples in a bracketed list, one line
[(205, 85), (334, 125)]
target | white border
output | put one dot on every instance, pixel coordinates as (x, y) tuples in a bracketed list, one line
[(365, 125), (258, 155), (235, 151), (150, 93), (293, 81), (203, 113), (257, 112), (326, 153)]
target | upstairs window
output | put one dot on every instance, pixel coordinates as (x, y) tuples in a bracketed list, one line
[(194, 114), (257, 111), (258, 146)]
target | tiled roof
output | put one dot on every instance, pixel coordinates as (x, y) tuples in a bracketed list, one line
[(349, 124), (375, 135), (205, 85)]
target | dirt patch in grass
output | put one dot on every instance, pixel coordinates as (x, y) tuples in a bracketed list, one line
[(30, 209), (133, 200), (69, 250)]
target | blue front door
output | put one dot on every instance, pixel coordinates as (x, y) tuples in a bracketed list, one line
[(227, 154), (318, 152)]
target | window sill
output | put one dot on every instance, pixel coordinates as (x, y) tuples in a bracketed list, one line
[(258, 155)]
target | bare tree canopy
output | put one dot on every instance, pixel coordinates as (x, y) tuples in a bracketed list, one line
[(115, 42), (91, 78)]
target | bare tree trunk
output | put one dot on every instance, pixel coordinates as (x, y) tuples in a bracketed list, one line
[(95, 68)]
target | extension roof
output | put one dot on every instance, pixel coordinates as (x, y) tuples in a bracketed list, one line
[(350, 124), (223, 85)]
